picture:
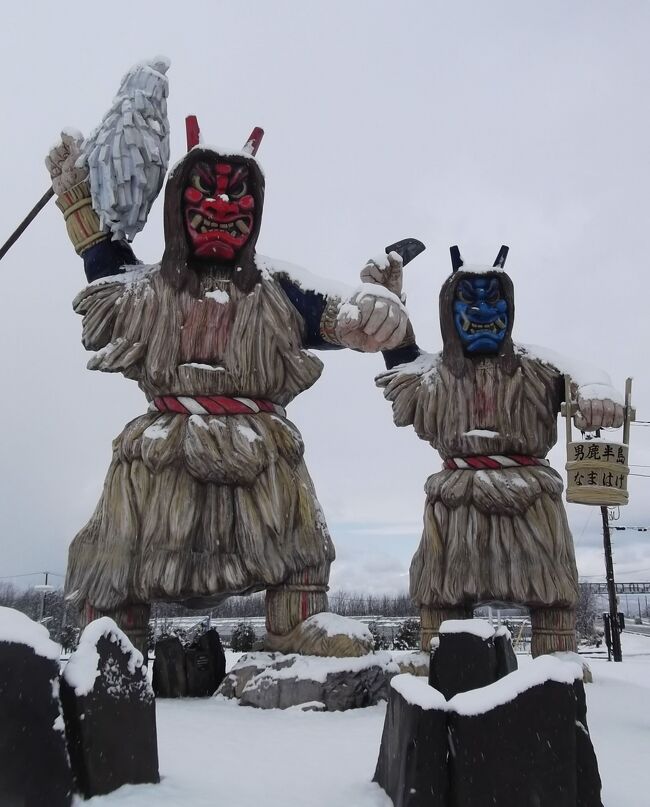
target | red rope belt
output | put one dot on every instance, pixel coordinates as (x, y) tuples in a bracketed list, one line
[(491, 462), (215, 405)]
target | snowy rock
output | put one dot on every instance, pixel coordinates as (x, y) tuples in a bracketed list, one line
[(278, 681), (465, 658), (109, 712), (412, 763), (522, 751), (522, 740), (34, 765)]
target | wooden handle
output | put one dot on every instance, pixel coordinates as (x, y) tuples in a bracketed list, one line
[(629, 412), (568, 408), (24, 224)]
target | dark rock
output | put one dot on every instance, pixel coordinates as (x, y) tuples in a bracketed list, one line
[(34, 766), (359, 682), (412, 764), (205, 665), (110, 719), (506, 656), (169, 677), (461, 662), (519, 754), (589, 783)]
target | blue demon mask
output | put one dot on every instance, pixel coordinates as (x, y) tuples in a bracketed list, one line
[(480, 314)]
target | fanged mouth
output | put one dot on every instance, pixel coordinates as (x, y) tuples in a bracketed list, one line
[(488, 327), (235, 228)]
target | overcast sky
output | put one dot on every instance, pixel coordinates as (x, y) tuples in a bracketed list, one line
[(465, 123)]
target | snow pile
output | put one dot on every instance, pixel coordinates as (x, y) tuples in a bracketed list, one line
[(506, 689), (315, 668), (82, 669), (17, 628), (481, 433), (336, 625), (416, 691), (476, 627)]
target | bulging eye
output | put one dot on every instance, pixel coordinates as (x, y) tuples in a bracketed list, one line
[(238, 190), (465, 294), (198, 182)]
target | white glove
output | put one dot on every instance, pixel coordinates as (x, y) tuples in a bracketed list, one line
[(386, 271), (62, 160), (371, 320)]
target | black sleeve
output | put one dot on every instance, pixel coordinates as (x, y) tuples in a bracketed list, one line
[(310, 305), (400, 355), (107, 258)]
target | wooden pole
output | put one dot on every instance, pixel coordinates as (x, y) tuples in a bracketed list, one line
[(24, 224), (567, 409)]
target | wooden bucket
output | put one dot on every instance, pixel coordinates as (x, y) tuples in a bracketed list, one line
[(597, 469)]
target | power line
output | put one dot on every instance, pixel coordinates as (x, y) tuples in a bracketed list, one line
[(29, 574)]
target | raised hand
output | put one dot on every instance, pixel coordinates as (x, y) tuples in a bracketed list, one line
[(386, 271), (62, 161), (372, 319)]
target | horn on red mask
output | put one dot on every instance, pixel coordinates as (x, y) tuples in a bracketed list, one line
[(253, 142), (192, 131)]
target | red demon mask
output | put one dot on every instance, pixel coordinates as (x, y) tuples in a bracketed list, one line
[(218, 209)]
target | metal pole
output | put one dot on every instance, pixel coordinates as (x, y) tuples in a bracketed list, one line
[(611, 589), (24, 224)]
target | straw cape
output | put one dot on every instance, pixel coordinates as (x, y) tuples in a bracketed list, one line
[(198, 505), (498, 534)]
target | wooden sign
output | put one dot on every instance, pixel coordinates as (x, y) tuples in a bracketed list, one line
[(597, 470)]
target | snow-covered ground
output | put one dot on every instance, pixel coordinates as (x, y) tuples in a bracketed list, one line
[(215, 752)]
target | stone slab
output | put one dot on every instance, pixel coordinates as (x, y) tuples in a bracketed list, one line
[(278, 681), (34, 766), (109, 711)]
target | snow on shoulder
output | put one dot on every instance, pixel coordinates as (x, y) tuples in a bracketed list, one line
[(18, 628), (476, 627), (83, 668), (303, 278), (506, 689), (593, 383), (417, 691)]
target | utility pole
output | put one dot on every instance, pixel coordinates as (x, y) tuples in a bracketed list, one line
[(614, 624), (43, 589)]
